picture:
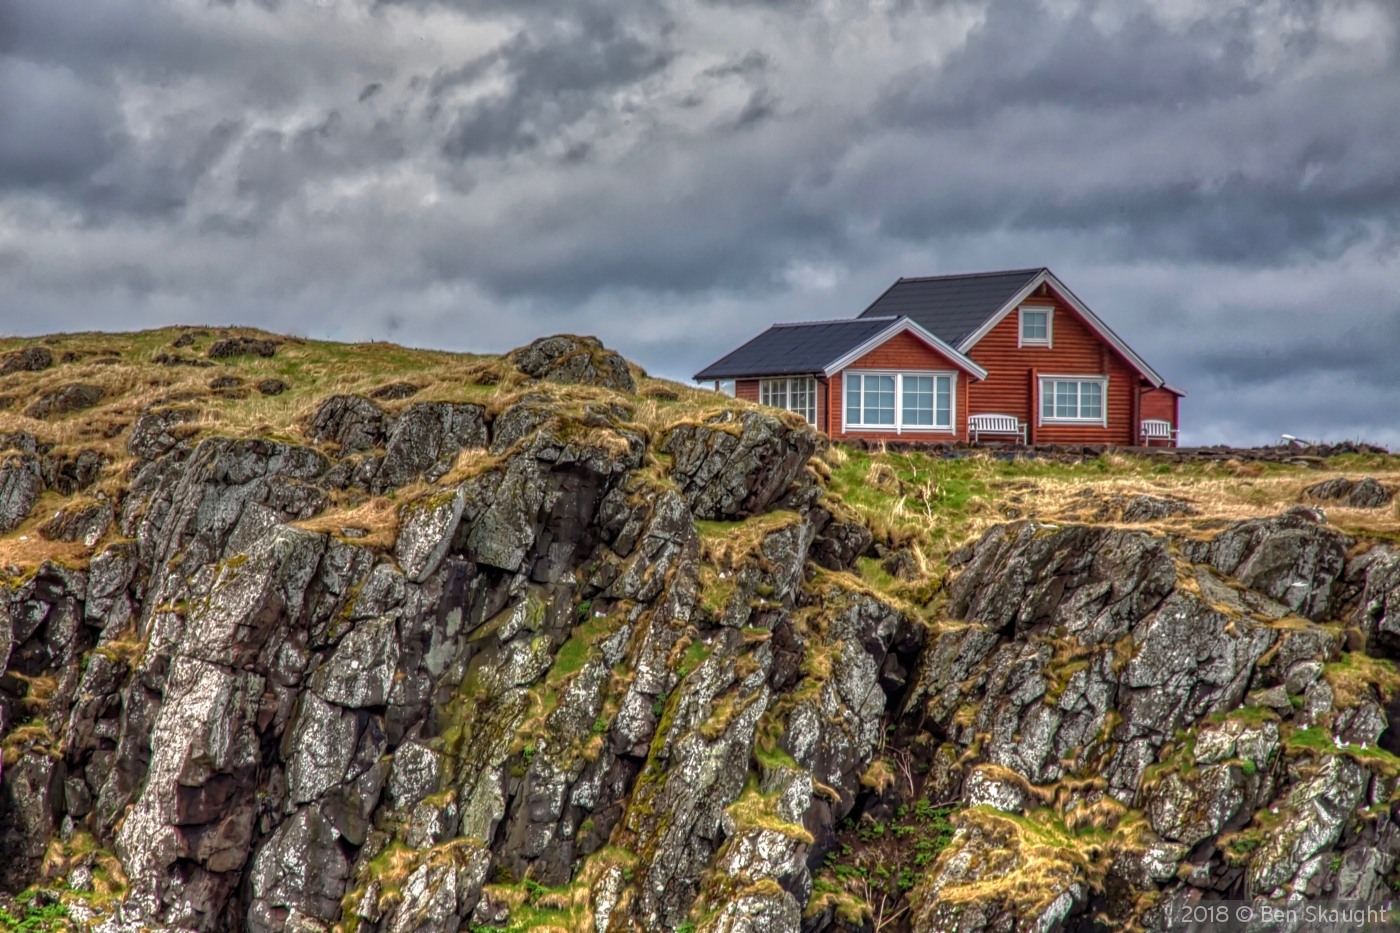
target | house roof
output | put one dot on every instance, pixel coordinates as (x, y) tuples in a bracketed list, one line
[(822, 347), (952, 306), (962, 309)]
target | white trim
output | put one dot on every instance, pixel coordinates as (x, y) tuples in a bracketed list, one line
[(900, 326), (899, 427), (1042, 378), (1049, 339), (1090, 318)]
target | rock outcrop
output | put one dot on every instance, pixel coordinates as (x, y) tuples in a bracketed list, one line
[(574, 360), (608, 676)]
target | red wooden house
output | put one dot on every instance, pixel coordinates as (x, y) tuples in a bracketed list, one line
[(993, 356)]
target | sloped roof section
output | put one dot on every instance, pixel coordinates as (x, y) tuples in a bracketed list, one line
[(952, 307), (796, 349)]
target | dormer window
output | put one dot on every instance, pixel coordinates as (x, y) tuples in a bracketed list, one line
[(1036, 325)]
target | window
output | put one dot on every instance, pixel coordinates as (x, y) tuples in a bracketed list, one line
[(1070, 399), (1035, 326), (925, 401), (799, 395), (726, 387)]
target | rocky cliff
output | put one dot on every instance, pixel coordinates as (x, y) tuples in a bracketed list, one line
[(569, 649)]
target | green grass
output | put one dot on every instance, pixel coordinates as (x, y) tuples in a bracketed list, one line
[(50, 918)]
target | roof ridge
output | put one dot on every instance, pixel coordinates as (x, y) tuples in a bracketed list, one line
[(836, 320), (972, 275)]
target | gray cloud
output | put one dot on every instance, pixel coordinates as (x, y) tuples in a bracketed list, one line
[(1216, 178)]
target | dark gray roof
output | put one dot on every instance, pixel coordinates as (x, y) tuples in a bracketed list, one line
[(796, 349), (951, 306)]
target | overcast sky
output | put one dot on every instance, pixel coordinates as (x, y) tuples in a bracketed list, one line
[(1218, 179)]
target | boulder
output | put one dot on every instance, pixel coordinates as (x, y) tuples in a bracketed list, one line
[(576, 360), (28, 360), (733, 465), (395, 391), (20, 487), (80, 521), (1293, 558), (62, 401), (425, 441), (242, 346), (351, 421), (158, 431), (1365, 493)]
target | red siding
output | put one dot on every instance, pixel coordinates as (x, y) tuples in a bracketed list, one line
[(1011, 387), (902, 352), (1159, 403)]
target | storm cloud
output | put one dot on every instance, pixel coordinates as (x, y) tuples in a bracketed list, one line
[(1217, 178)]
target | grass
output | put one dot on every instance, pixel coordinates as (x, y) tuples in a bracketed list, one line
[(935, 505), (869, 873)]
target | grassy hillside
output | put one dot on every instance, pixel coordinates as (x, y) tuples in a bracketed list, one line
[(932, 504)]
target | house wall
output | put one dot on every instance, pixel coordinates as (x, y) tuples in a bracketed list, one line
[(902, 352), (1011, 387), (1159, 403)]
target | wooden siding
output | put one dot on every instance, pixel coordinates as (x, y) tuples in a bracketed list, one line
[(1159, 403), (1012, 387), (903, 353)]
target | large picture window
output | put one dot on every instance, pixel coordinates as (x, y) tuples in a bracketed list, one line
[(899, 401), (799, 395), (1064, 398)]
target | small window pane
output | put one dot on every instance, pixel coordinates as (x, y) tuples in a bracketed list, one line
[(879, 400), (918, 401), (1090, 400), (1066, 400), (853, 399), (943, 404), (1034, 325), (1047, 400)]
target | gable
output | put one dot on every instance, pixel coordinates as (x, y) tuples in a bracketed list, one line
[(904, 351), (1047, 286)]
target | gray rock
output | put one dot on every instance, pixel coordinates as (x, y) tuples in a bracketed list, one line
[(579, 360), (82, 521), (360, 671), (426, 439), (1292, 558), (351, 421), (1365, 493), (426, 532), (28, 360), (160, 430), (20, 487), (414, 775), (733, 465), (65, 400), (299, 868), (318, 749)]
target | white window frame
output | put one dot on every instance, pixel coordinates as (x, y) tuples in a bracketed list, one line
[(811, 385), (1050, 380), (1049, 339), (899, 427)]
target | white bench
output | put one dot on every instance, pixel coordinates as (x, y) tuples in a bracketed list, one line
[(1155, 429), (977, 425)]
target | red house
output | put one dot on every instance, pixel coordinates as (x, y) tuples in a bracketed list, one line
[(992, 356)]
